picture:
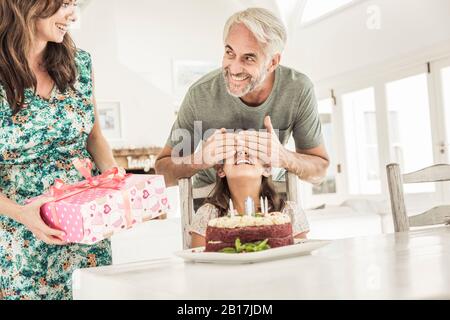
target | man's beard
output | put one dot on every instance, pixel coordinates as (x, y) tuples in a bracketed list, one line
[(254, 82)]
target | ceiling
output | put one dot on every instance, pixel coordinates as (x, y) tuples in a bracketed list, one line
[(291, 11)]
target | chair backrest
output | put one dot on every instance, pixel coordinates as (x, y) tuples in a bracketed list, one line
[(188, 194), (436, 215)]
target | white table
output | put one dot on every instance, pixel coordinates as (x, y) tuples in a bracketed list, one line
[(411, 265)]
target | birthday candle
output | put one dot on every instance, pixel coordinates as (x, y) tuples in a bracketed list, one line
[(266, 202), (231, 208), (261, 204), (249, 206)]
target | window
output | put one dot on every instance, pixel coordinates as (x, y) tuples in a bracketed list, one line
[(394, 138), (314, 9), (361, 143), (371, 145), (325, 112), (445, 73), (287, 8), (409, 126)]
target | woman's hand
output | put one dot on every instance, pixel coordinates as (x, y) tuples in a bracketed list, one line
[(30, 217)]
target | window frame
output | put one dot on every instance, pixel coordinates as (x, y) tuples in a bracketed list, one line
[(328, 14), (389, 72)]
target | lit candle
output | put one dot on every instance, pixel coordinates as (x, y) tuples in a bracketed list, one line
[(231, 208), (261, 204), (266, 202), (249, 207)]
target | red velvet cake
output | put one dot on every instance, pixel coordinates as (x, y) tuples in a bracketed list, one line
[(274, 227)]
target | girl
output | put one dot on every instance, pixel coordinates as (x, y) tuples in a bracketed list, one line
[(238, 178)]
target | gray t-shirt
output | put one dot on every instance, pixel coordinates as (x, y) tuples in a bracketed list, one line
[(291, 105)]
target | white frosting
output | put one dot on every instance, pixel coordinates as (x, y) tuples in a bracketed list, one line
[(273, 218)]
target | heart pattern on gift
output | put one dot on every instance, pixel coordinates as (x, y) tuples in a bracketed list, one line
[(107, 209), (98, 220), (97, 213), (156, 207), (118, 223), (138, 203)]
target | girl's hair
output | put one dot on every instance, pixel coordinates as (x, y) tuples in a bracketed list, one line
[(17, 29), (220, 196)]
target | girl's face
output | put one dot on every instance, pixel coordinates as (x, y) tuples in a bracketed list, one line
[(54, 28), (243, 166)]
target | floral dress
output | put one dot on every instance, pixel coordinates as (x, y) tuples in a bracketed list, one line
[(37, 146)]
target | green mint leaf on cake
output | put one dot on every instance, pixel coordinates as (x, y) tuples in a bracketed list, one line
[(246, 247), (262, 245), (238, 245), (228, 250)]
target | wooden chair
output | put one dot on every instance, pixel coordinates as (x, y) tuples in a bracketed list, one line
[(188, 194), (436, 215)]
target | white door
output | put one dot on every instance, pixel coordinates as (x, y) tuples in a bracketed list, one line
[(410, 126), (391, 121), (361, 143), (440, 84)]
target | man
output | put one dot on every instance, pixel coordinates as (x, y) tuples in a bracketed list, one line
[(251, 91)]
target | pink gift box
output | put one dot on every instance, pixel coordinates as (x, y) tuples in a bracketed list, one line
[(97, 213)]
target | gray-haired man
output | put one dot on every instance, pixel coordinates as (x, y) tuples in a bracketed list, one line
[(251, 91)]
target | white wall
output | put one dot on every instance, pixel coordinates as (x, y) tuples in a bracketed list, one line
[(343, 42), (134, 44)]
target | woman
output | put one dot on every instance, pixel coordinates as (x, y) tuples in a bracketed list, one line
[(47, 119), (240, 177)]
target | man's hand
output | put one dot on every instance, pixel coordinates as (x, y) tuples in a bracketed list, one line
[(263, 145), (218, 148)]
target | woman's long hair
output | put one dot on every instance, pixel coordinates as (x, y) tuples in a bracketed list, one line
[(17, 29), (220, 196)]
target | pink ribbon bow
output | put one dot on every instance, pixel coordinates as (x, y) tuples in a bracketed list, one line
[(110, 179)]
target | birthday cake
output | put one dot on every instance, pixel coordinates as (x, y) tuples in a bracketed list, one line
[(247, 233)]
